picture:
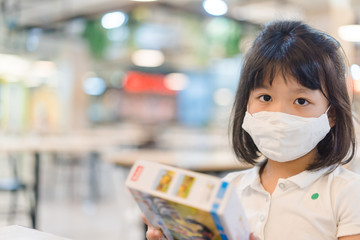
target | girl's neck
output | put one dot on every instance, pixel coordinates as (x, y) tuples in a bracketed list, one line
[(274, 170)]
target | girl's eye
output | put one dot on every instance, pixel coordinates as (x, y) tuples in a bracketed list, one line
[(265, 98), (301, 101)]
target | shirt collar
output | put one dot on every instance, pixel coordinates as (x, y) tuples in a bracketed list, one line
[(306, 178), (302, 180), (251, 178)]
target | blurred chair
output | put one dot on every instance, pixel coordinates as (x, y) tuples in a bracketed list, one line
[(13, 185)]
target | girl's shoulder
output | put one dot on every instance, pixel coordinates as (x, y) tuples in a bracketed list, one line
[(342, 175), (345, 197)]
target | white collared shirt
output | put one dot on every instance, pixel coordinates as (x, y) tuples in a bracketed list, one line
[(309, 205)]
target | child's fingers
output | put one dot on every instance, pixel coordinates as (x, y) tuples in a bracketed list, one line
[(154, 234), (252, 237)]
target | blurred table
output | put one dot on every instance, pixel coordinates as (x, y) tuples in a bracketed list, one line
[(197, 160), (15, 232), (92, 142)]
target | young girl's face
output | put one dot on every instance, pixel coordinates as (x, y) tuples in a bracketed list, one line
[(287, 96)]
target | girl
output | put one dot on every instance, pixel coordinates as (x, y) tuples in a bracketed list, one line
[(292, 106)]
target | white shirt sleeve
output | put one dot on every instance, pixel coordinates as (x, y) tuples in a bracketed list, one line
[(346, 197)]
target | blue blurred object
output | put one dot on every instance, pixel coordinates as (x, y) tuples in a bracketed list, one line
[(195, 102), (94, 86)]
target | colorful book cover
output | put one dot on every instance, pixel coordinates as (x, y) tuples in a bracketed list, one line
[(187, 205)]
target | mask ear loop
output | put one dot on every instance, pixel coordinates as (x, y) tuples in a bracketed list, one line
[(328, 117), (327, 109)]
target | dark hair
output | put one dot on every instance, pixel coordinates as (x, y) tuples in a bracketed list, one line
[(316, 61)]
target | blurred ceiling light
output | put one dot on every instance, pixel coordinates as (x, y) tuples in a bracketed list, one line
[(215, 7), (144, 0), (350, 33), (223, 97), (12, 65), (148, 58), (113, 20), (94, 86), (355, 72), (44, 69), (176, 81)]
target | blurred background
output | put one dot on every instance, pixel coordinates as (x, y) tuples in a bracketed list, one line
[(89, 86)]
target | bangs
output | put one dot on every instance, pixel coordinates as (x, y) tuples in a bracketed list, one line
[(307, 73)]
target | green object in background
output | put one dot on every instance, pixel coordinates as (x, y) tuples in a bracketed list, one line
[(224, 34), (96, 36)]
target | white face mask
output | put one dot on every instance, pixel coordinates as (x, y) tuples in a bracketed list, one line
[(283, 137)]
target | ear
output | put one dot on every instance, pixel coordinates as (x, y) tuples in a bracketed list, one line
[(332, 116)]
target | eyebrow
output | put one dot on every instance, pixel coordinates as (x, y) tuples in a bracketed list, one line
[(297, 90)]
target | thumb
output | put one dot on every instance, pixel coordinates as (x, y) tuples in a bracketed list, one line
[(252, 237)]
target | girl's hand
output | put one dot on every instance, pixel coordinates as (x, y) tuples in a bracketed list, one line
[(153, 233), (252, 237)]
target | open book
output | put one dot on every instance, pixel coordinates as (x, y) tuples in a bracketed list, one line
[(186, 204)]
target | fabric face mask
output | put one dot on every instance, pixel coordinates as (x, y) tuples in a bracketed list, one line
[(283, 137)]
